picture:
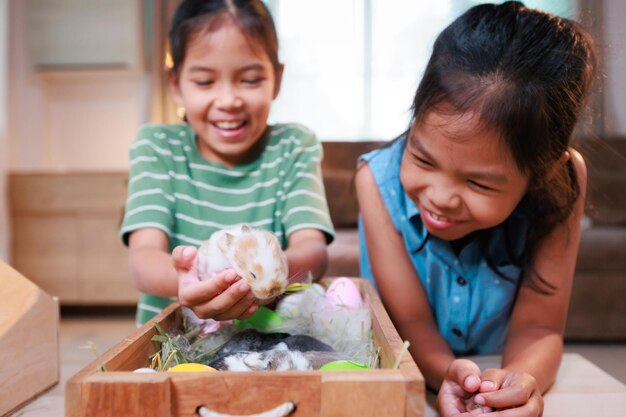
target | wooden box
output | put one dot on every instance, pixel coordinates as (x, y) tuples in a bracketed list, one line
[(29, 340), (377, 393)]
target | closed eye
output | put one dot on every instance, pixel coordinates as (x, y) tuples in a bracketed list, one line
[(480, 186), (422, 161), (252, 81), (253, 276)]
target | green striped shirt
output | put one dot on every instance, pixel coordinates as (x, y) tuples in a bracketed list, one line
[(173, 188)]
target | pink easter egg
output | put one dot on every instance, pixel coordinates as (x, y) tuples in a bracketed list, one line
[(343, 292)]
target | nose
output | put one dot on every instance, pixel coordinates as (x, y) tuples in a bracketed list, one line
[(444, 196), (270, 291), (228, 97)]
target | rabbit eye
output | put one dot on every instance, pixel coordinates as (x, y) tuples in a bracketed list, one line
[(253, 276)]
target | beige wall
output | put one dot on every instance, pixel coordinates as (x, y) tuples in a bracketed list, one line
[(86, 120), (70, 119), (4, 230), (615, 62)]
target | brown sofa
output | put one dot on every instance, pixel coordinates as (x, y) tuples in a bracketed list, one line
[(598, 304)]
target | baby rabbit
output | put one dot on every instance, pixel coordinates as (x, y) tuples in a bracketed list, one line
[(255, 255), (251, 350)]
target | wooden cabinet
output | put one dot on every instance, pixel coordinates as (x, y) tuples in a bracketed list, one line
[(65, 235)]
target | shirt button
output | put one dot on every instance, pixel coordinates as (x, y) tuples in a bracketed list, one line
[(457, 332), (461, 281)]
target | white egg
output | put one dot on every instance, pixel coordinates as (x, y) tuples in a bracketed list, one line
[(144, 371)]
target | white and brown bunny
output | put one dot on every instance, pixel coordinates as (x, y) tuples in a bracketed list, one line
[(256, 256)]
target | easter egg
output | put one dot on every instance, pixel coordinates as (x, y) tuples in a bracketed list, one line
[(344, 365), (144, 371), (343, 292), (264, 319), (191, 367)]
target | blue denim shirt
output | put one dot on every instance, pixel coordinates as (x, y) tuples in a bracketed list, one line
[(471, 302)]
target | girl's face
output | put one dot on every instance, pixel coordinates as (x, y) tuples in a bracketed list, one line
[(460, 180), (226, 85)]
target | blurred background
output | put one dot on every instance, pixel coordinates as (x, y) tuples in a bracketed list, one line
[(77, 77)]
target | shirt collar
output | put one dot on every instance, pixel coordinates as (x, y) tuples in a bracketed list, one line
[(414, 240)]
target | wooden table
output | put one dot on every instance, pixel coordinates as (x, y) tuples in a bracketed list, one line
[(581, 389)]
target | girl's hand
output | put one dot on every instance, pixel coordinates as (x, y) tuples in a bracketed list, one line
[(223, 297), (513, 394), (459, 387)]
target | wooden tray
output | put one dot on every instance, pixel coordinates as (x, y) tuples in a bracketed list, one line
[(119, 392)]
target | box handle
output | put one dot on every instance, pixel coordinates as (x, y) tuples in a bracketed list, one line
[(280, 411)]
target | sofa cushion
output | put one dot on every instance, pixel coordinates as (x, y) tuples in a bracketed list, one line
[(338, 169), (343, 254), (602, 248), (606, 185)]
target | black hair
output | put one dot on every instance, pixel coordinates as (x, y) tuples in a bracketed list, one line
[(526, 74), (251, 16)]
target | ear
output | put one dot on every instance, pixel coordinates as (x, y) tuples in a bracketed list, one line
[(174, 86), (225, 242), (245, 228), (279, 80), (256, 360), (557, 166)]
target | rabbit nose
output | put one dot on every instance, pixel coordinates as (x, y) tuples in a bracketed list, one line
[(272, 291)]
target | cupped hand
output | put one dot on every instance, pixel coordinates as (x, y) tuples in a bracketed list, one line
[(223, 297), (512, 394), (460, 385)]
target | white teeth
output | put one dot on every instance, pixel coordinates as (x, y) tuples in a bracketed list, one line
[(440, 218), (229, 125)]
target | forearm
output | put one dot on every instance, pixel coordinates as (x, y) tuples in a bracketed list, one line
[(537, 351), (429, 350), (305, 257), (152, 272)]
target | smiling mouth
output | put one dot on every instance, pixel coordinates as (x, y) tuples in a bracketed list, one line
[(441, 218), (230, 125)]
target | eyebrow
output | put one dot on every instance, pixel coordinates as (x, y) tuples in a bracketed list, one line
[(494, 177), (489, 176), (251, 67)]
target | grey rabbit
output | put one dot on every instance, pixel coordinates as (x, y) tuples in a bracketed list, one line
[(251, 350)]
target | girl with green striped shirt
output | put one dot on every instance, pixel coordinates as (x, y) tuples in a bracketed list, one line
[(224, 167)]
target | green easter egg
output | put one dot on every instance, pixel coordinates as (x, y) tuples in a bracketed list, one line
[(344, 365), (263, 319)]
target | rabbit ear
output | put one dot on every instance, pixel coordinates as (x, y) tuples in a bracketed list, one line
[(245, 228), (225, 242), (256, 360)]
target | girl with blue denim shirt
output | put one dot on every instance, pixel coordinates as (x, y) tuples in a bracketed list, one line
[(470, 221)]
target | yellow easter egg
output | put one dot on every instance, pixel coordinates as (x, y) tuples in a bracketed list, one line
[(191, 367)]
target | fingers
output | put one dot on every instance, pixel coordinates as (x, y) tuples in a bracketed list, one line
[(518, 394), (514, 396), (243, 309), (222, 297), (451, 404), (491, 379), (232, 303), (534, 408), (455, 394), (183, 257), (192, 291), (465, 373)]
